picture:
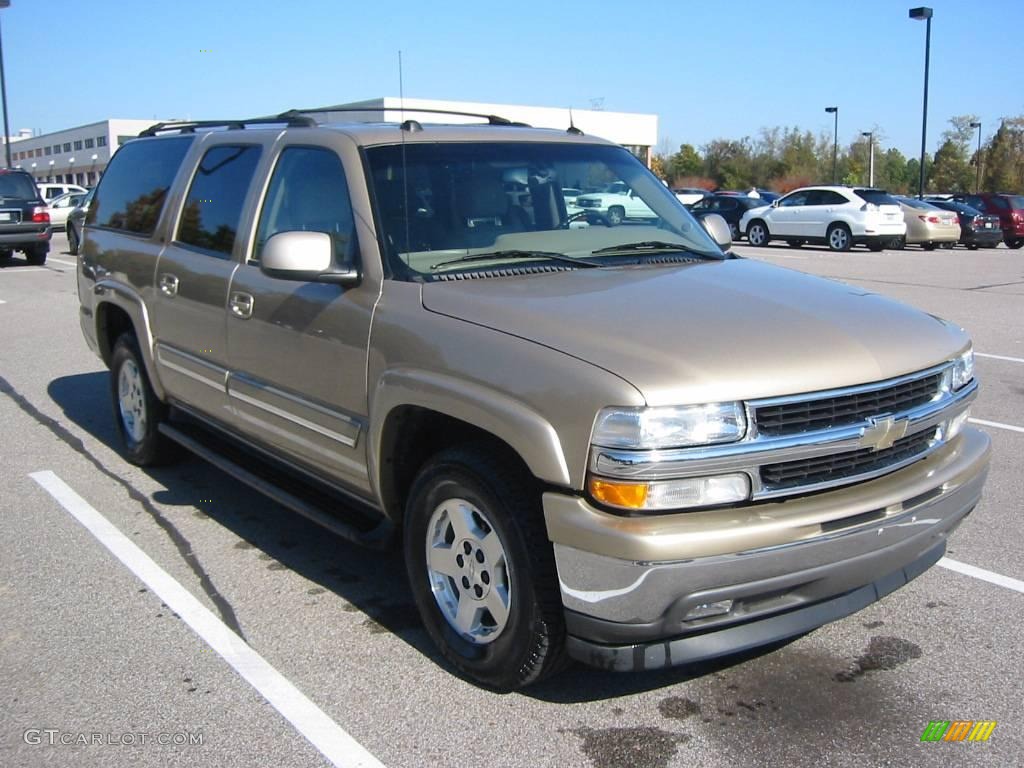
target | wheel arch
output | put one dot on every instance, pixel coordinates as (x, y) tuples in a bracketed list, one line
[(417, 413), (118, 310)]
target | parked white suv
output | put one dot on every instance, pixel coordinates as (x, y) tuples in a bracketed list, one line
[(838, 216), (615, 204)]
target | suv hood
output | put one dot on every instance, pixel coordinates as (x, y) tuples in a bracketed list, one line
[(709, 331)]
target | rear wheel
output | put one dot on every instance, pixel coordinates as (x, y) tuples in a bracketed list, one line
[(928, 246), (615, 216), (1015, 243), (795, 243), (137, 410), (481, 568), (876, 246), (757, 233), (839, 238), (36, 254)]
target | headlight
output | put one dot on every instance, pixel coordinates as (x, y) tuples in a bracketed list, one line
[(670, 426), (963, 370)]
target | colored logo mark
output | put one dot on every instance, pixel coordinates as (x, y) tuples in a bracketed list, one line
[(958, 730)]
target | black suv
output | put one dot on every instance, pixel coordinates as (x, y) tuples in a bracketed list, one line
[(24, 220)]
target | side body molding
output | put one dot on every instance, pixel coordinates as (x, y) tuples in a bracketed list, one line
[(126, 298), (526, 431)]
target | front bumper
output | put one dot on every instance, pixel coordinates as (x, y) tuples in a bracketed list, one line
[(629, 583)]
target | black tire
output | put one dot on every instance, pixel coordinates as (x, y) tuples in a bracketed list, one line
[(72, 240), (876, 246), (148, 446), (615, 216), (972, 246), (530, 643), (838, 237), (734, 230), (757, 233), (36, 254), (1015, 243), (795, 243), (928, 246), (898, 243)]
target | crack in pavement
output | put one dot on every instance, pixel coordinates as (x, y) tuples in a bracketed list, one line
[(227, 613)]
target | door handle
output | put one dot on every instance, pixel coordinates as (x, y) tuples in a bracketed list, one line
[(241, 305), (169, 284)]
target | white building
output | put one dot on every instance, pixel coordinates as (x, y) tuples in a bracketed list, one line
[(636, 131), (74, 155)]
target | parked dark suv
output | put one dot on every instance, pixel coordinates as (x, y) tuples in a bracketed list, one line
[(24, 222), (1009, 209)]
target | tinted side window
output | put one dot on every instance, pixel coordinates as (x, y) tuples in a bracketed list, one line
[(797, 198), (1000, 203), (830, 197), (213, 207), (308, 193), (133, 189)]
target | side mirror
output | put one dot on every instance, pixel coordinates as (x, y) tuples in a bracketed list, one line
[(775, 202), (719, 230), (305, 256)]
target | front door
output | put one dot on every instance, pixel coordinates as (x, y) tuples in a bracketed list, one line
[(298, 349)]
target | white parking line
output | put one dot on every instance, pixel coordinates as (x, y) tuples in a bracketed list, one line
[(996, 424), (2, 301), (309, 720), (19, 270), (1000, 357), (981, 573), (62, 261)]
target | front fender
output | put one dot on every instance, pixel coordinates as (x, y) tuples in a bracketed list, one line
[(522, 428)]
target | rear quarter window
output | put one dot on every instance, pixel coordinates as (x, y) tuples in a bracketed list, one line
[(876, 196), (133, 190)]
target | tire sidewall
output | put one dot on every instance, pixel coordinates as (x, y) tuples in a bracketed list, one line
[(836, 228), (143, 451), (496, 663), (763, 239)]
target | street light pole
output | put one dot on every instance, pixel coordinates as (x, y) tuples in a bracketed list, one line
[(871, 157), (918, 14), (977, 161), (3, 92), (835, 139)]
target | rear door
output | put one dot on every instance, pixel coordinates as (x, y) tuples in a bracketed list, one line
[(193, 274), (298, 350)]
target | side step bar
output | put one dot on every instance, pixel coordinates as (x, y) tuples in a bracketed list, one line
[(377, 537)]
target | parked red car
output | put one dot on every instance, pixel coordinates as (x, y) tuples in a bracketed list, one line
[(1009, 209)]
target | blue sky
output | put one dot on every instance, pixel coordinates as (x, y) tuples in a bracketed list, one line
[(721, 68)]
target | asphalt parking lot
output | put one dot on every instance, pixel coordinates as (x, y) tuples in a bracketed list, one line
[(328, 629)]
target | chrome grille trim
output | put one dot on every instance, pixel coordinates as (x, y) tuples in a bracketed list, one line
[(756, 450)]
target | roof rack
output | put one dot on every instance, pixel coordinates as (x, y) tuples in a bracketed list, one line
[(189, 126), (491, 119)]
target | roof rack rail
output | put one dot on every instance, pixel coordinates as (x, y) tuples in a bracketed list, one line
[(491, 119), (189, 126)]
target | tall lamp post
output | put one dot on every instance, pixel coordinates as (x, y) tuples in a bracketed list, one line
[(71, 168), (50, 177), (835, 138), (977, 161), (871, 157), (918, 14), (3, 93)]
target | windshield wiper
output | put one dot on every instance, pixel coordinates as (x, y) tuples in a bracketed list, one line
[(515, 254), (654, 246)]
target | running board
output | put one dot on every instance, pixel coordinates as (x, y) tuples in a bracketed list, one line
[(377, 537)]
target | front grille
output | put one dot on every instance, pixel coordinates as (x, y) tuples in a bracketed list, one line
[(843, 410), (822, 469)]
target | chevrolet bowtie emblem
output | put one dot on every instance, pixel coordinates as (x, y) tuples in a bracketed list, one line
[(883, 432)]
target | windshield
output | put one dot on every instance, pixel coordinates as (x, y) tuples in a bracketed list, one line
[(508, 200), (17, 185)]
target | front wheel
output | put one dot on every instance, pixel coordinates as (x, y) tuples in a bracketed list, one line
[(137, 409), (839, 238), (795, 243), (757, 233), (481, 569), (615, 216)]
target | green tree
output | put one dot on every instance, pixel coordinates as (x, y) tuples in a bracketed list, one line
[(685, 162), (1004, 158), (891, 171)]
